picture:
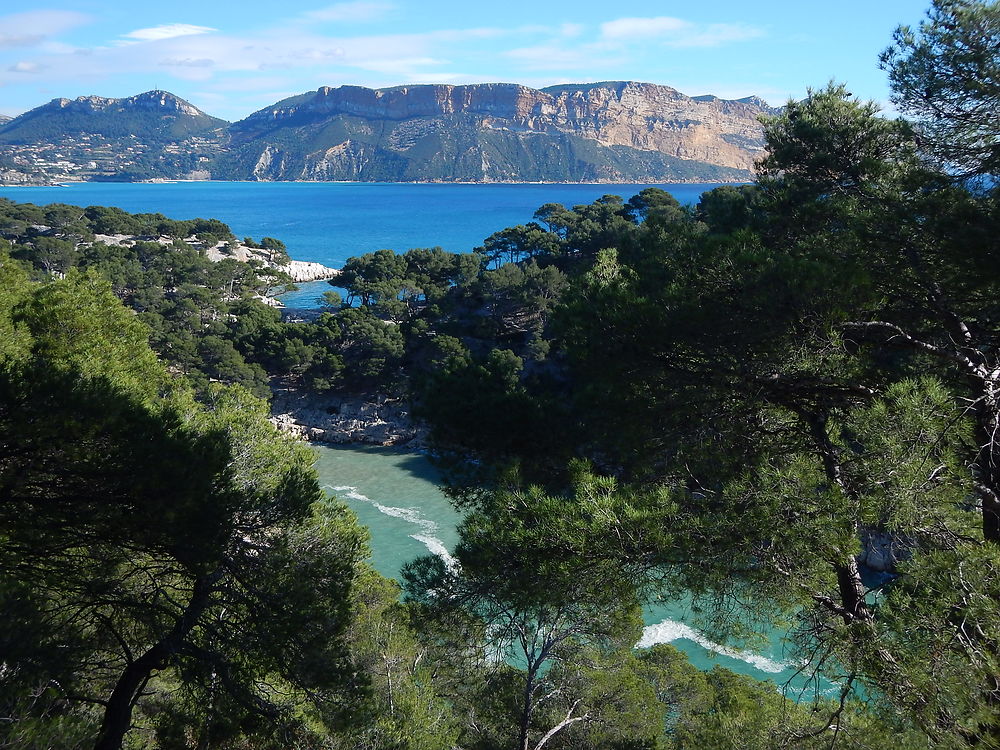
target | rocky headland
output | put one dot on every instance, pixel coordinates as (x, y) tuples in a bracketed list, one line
[(611, 131), (618, 131), (636, 115), (299, 271)]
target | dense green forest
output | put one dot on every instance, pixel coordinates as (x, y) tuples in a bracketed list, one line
[(208, 319), (173, 576), (731, 401)]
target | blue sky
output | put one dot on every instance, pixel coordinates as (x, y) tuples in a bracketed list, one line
[(231, 58)]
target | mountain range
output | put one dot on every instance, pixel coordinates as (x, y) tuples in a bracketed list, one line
[(612, 131)]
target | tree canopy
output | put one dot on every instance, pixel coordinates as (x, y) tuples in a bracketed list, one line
[(152, 545), (944, 74), (782, 403), (806, 369)]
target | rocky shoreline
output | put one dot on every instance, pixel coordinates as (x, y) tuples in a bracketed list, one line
[(302, 271), (382, 420), (17, 178), (299, 271), (341, 420)]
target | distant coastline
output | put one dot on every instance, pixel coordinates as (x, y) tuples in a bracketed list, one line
[(169, 181), (614, 132), (330, 222)]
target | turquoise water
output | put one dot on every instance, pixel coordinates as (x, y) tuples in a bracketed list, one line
[(395, 494)]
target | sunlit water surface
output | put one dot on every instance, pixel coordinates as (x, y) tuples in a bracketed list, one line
[(394, 492)]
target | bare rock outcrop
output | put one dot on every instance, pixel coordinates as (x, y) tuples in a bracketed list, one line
[(881, 551), (338, 419), (658, 118), (300, 271), (613, 130)]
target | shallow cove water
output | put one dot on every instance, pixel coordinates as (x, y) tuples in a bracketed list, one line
[(393, 492)]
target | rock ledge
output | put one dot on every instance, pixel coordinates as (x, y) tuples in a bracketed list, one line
[(372, 420)]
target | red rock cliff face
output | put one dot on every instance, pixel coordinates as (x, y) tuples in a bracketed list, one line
[(624, 113)]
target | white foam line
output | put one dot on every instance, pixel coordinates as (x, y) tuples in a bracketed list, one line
[(436, 546), (670, 630), (428, 528), (663, 632)]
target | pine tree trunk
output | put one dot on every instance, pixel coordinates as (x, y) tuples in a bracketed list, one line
[(849, 583), (987, 465), (526, 712), (118, 712)]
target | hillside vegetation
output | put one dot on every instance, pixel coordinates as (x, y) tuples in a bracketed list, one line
[(618, 131), (743, 403), (154, 134)]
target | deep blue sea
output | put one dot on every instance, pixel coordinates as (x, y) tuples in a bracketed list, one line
[(394, 492), (328, 222)]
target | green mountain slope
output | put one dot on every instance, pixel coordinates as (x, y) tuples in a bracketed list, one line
[(154, 134), (617, 131), (612, 131), (153, 116)]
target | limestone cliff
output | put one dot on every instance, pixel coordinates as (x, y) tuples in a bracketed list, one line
[(659, 118), (618, 131), (612, 131)]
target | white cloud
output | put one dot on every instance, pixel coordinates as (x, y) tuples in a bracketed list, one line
[(30, 28), (255, 83), (550, 57), (19, 40), (315, 57), (187, 62), (717, 33), (303, 54), (447, 78), (624, 29), (355, 12), (404, 66), (617, 46), (676, 32), (53, 47), (167, 31), (24, 67)]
